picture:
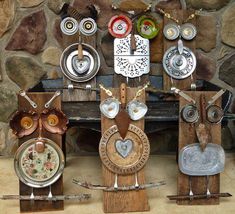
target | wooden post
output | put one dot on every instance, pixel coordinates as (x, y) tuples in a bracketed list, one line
[(123, 201), (57, 188), (187, 135)]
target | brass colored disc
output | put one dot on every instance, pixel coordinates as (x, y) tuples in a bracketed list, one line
[(127, 162), (52, 120), (26, 122)]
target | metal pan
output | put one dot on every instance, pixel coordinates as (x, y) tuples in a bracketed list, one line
[(195, 162), (76, 70), (39, 169)]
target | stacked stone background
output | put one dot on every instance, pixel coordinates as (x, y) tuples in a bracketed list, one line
[(30, 46)]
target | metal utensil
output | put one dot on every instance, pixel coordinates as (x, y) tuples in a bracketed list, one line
[(32, 103), (57, 93)]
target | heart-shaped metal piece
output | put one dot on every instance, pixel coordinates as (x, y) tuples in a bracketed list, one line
[(110, 107), (124, 147), (136, 109), (81, 66)]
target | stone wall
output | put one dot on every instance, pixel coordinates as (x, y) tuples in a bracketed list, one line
[(31, 47)]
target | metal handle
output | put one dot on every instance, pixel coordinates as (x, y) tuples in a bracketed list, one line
[(57, 93), (182, 94), (32, 103), (216, 96), (123, 94)]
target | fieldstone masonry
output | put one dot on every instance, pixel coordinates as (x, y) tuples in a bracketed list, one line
[(30, 36)]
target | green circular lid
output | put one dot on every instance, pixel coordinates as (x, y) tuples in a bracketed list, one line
[(147, 27)]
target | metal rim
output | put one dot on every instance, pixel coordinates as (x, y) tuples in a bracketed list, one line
[(69, 30), (138, 165), (191, 29), (125, 20), (88, 51), (185, 108), (174, 29), (86, 31), (152, 23), (179, 77), (221, 116), (26, 179)]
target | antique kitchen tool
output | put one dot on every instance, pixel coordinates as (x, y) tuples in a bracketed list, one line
[(120, 26), (147, 27), (24, 123), (122, 119), (129, 64), (80, 70)]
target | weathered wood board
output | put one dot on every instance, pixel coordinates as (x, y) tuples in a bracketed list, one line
[(187, 135), (57, 188), (123, 201)]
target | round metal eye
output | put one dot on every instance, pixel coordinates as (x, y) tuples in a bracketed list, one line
[(171, 31), (88, 26), (147, 27), (189, 113), (214, 114), (188, 31), (120, 26), (52, 120), (69, 26), (26, 122)]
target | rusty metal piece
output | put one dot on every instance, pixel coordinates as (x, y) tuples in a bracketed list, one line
[(24, 123), (202, 131), (122, 119), (54, 121)]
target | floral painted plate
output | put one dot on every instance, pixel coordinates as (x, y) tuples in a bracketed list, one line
[(39, 169)]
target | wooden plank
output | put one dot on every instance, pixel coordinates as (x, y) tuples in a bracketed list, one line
[(57, 187), (181, 15), (128, 201), (79, 95), (187, 135)]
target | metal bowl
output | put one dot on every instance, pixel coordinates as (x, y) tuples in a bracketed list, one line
[(39, 169), (171, 31), (188, 31), (74, 71)]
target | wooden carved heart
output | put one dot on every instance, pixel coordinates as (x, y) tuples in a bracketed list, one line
[(124, 147)]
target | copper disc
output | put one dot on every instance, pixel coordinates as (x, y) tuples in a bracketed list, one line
[(124, 164)]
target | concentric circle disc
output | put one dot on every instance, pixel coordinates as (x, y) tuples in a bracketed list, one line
[(190, 113), (39, 169), (214, 114), (88, 26), (179, 66), (124, 156), (120, 26), (147, 27), (69, 26)]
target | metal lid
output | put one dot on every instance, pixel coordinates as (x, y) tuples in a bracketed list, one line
[(37, 169), (179, 66), (171, 31), (188, 31), (147, 27), (69, 26), (120, 26), (88, 26), (76, 70)]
